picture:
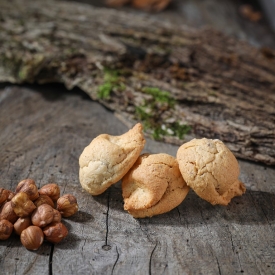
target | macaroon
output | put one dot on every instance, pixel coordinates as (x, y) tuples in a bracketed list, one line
[(153, 186), (108, 158), (211, 170)]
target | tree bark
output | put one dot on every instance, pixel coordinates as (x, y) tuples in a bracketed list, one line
[(172, 78)]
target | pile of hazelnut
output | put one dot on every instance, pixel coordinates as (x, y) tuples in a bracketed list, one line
[(35, 214)]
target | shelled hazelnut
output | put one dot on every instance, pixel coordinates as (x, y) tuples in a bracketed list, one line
[(4, 194), (11, 195), (32, 237), (29, 187), (28, 210), (56, 216), (55, 232), (52, 190), (21, 224), (42, 215), (67, 205), (6, 228), (22, 205), (44, 199), (7, 213)]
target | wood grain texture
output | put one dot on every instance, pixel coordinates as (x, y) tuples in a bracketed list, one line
[(223, 88), (44, 130)]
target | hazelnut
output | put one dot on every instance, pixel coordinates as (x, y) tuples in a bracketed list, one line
[(42, 215), (56, 216), (67, 205), (11, 195), (52, 190), (22, 205), (44, 199), (55, 232), (29, 187), (4, 194), (32, 237), (7, 213), (21, 224), (6, 228)]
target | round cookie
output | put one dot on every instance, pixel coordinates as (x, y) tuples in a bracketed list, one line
[(211, 170), (108, 158), (153, 186)]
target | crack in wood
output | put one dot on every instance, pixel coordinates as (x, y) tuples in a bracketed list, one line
[(218, 264), (106, 246), (51, 260), (151, 256), (113, 268)]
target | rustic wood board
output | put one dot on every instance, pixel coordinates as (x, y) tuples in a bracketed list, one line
[(44, 130)]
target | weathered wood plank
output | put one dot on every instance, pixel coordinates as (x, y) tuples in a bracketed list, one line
[(38, 119), (42, 135)]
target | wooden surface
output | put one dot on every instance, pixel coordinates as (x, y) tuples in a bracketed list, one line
[(44, 130), (220, 87)]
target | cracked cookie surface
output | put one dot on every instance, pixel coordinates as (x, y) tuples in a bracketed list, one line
[(108, 158), (211, 170), (153, 186)]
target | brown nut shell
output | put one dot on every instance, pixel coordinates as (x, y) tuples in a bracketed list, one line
[(32, 237), (56, 216), (22, 205), (11, 195), (42, 215), (7, 213), (21, 224), (67, 205), (52, 190), (4, 194), (29, 187), (6, 228), (44, 199), (55, 232)]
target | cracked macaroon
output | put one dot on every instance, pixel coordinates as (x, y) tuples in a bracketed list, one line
[(211, 170), (153, 186), (108, 158)]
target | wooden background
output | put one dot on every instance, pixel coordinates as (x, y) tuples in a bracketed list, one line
[(43, 131)]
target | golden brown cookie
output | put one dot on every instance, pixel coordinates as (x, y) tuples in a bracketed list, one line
[(153, 186), (211, 170), (108, 158)]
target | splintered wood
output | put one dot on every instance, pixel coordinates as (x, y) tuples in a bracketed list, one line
[(215, 85)]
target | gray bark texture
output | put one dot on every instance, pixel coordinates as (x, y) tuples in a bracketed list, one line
[(174, 79)]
